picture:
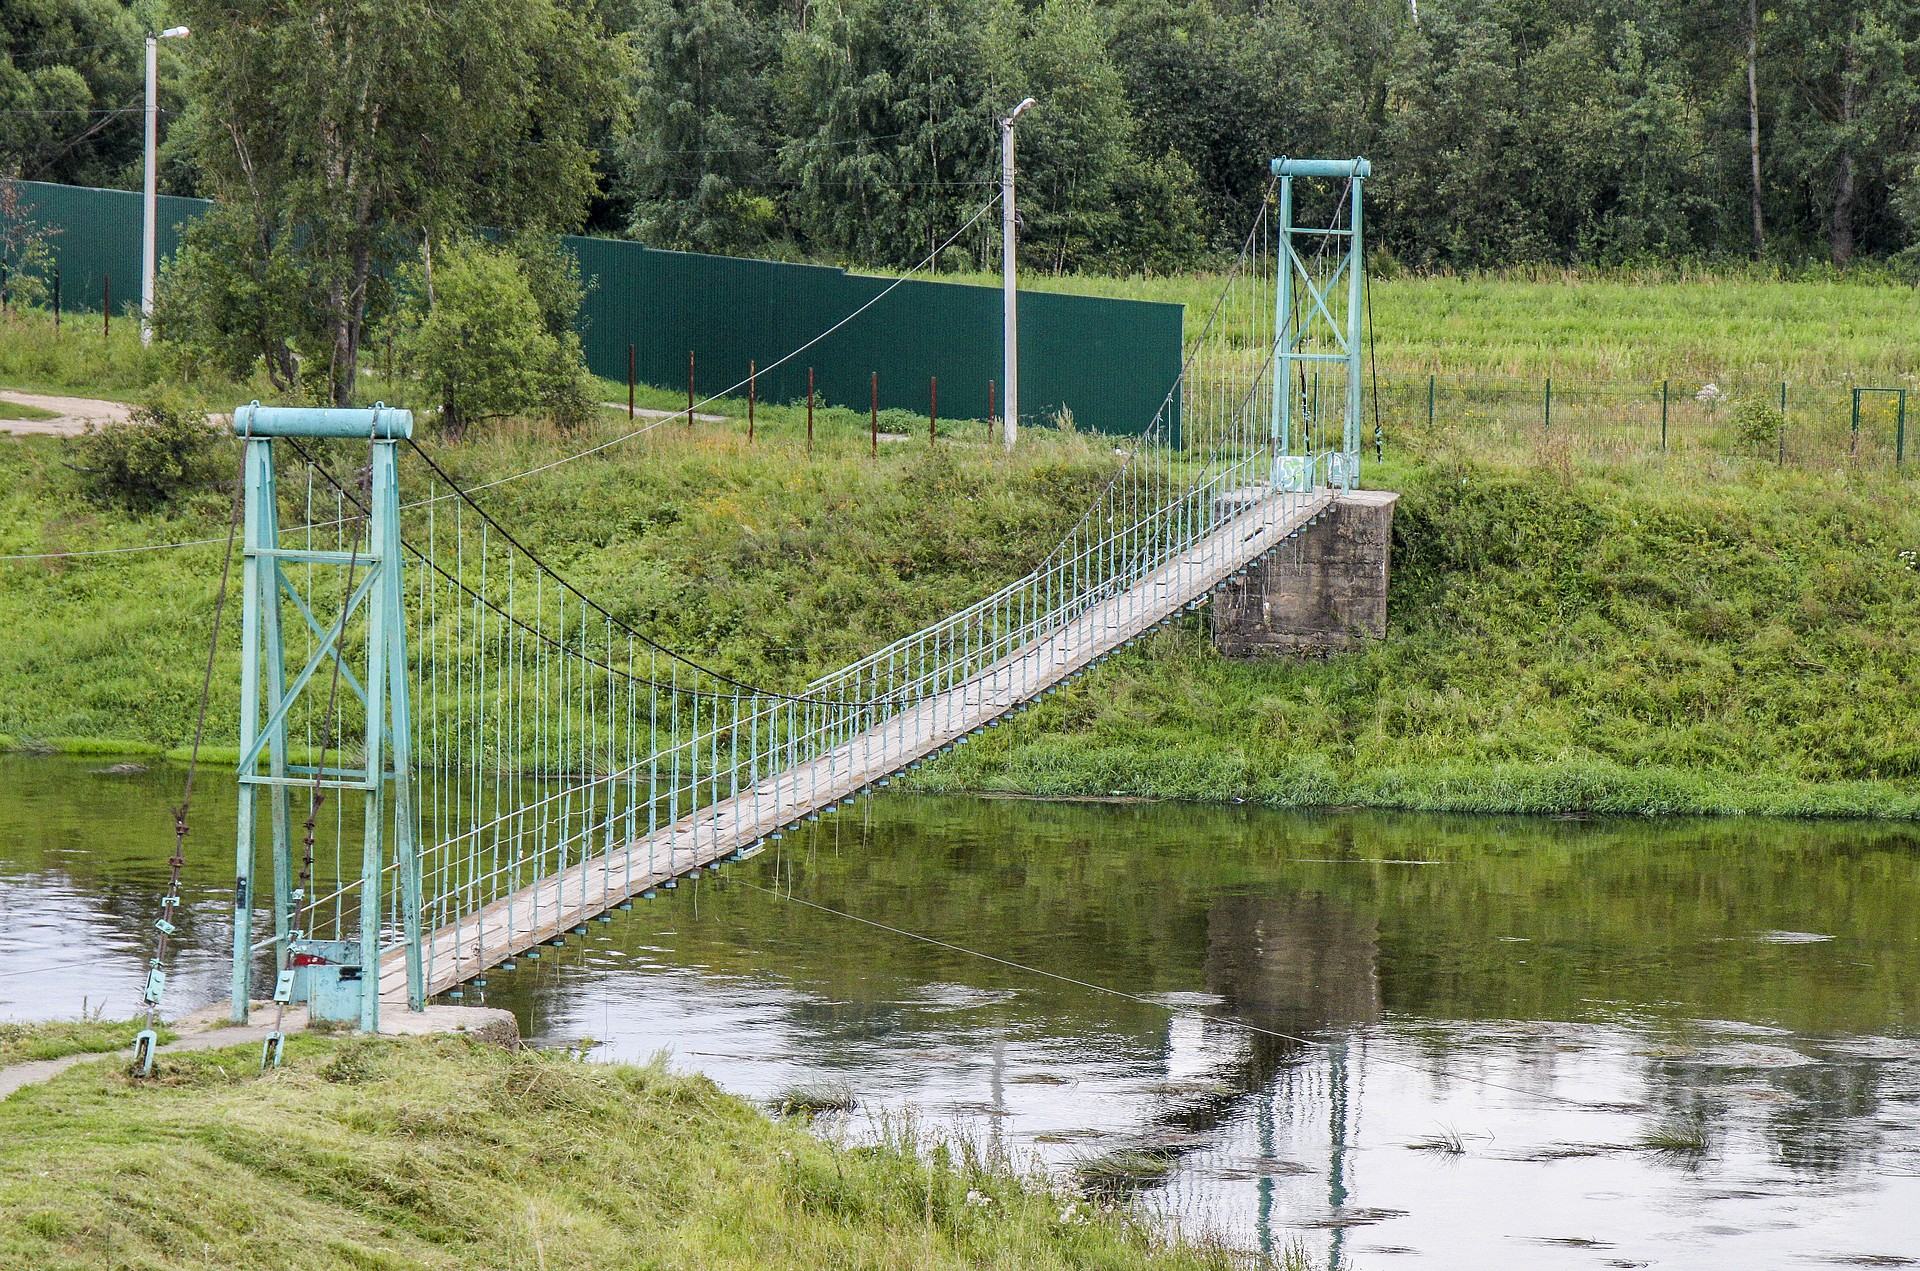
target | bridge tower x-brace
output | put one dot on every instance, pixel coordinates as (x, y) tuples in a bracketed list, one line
[(1315, 325), (339, 978)]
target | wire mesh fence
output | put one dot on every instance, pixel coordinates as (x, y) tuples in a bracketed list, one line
[(1806, 425)]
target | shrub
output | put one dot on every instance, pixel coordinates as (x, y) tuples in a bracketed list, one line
[(237, 296), (25, 258), (482, 342), (1757, 422), (164, 450)]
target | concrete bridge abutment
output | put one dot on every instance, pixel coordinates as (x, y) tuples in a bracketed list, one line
[(1322, 592)]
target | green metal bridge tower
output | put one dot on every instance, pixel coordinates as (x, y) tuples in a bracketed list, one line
[(1315, 325), (339, 979)]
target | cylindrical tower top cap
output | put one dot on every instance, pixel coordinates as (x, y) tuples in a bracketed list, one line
[(1285, 167), (379, 422)]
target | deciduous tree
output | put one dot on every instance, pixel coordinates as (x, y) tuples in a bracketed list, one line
[(345, 133), (70, 91)]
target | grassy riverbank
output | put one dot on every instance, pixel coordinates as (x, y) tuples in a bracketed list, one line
[(1710, 635), (1627, 640), (771, 564), (24, 1043), (443, 1153)]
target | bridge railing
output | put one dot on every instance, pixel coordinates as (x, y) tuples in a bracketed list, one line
[(551, 735)]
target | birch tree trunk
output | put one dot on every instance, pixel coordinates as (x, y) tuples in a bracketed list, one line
[(1840, 228)]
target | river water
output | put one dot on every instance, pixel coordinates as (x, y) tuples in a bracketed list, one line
[(1387, 1040)]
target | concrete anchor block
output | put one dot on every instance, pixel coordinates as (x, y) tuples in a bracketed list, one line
[(1326, 594)]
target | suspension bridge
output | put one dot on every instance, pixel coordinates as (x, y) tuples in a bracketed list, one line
[(454, 756)]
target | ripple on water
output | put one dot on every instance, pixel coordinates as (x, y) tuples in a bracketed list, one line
[(1351, 1216), (1747, 1055)]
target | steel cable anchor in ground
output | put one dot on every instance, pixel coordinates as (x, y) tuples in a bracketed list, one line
[(146, 1043)]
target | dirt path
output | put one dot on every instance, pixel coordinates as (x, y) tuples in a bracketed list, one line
[(643, 412), (72, 414), (38, 1070)]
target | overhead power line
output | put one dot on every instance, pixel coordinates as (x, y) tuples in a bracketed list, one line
[(545, 467)]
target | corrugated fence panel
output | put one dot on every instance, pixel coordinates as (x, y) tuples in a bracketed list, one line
[(1105, 360), (97, 249), (1110, 362)]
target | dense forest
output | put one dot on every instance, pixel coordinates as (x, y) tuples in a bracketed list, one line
[(1502, 131)]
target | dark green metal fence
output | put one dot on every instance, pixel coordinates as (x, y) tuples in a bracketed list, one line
[(96, 251), (1110, 362)]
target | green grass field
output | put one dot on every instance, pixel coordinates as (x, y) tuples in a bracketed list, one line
[(1725, 327), (1729, 326), (443, 1153), (1626, 354), (78, 358), (17, 410)]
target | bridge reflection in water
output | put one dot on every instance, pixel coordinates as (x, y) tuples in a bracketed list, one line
[(1553, 1028), (1304, 970), (1552, 990)]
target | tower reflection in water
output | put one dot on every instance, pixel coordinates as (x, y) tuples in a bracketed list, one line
[(1303, 973)]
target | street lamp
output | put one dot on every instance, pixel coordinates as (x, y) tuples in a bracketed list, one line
[(1010, 333), (147, 212)]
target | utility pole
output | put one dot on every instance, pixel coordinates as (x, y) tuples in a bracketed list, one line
[(1753, 122), (1010, 327), (148, 215)]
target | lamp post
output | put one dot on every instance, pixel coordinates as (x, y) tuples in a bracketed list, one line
[(147, 211), (1010, 331)]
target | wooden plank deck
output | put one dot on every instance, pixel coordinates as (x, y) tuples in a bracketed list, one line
[(554, 906)]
